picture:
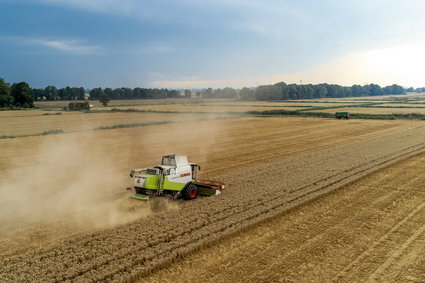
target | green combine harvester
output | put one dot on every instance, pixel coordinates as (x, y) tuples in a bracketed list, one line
[(342, 115), (174, 178)]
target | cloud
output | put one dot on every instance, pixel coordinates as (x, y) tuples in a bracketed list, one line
[(103, 6), (66, 45), (71, 46)]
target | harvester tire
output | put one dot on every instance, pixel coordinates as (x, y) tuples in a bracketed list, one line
[(190, 192)]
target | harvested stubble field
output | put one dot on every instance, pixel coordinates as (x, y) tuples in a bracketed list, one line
[(207, 108), (115, 103), (34, 122), (278, 103), (73, 183), (370, 230)]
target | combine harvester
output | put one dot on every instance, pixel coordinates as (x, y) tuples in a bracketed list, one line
[(174, 178)]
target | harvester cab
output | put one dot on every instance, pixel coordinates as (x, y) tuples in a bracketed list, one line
[(175, 177)]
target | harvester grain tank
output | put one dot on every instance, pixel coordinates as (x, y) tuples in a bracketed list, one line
[(175, 177)]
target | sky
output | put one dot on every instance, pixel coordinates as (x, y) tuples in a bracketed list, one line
[(211, 43)]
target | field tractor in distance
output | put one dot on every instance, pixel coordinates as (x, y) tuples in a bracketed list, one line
[(342, 115), (174, 178)]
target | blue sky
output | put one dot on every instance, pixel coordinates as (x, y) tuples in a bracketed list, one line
[(217, 43)]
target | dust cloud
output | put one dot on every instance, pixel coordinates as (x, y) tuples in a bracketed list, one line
[(77, 182), (71, 179)]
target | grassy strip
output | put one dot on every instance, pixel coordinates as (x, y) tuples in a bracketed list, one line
[(298, 113), (241, 105), (56, 113), (340, 106), (395, 116), (330, 102), (130, 110), (380, 106), (292, 113), (17, 108), (116, 110), (46, 133), (133, 125)]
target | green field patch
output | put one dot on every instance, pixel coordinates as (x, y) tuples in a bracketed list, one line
[(45, 133)]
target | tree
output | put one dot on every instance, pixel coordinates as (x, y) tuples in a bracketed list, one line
[(207, 93), (246, 94), (51, 93), (320, 91), (173, 94), (229, 92), (292, 91), (22, 94), (96, 93), (38, 94), (104, 99), (374, 89), (78, 93), (394, 89), (78, 106), (263, 92), (6, 100), (283, 91), (187, 93)]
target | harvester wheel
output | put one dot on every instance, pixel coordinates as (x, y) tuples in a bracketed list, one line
[(169, 197), (190, 192)]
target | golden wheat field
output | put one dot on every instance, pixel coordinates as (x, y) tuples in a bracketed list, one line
[(305, 199)]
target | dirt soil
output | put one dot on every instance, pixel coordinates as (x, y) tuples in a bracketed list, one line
[(370, 230), (277, 167)]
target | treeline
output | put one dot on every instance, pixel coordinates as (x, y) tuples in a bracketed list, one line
[(278, 91), (418, 90), (79, 93), (20, 95), (137, 93), (53, 93), (17, 95), (283, 91)]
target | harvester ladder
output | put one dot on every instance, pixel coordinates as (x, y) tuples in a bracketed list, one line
[(160, 185)]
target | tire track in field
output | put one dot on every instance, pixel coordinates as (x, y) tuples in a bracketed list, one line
[(316, 241), (329, 231), (383, 249), (359, 171), (129, 251), (400, 258)]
